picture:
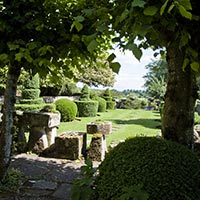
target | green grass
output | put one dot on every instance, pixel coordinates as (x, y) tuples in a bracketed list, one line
[(125, 123)]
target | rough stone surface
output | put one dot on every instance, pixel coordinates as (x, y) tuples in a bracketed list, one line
[(103, 128), (69, 145), (46, 178), (97, 149)]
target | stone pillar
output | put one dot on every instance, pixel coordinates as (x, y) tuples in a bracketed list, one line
[(103, 127), (97, 147), (37, 139), (51, 134)]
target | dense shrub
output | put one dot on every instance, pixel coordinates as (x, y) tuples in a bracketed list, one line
[(87, 108), (130, 103), (110, 105), (85, 93), (67, 109), (165, 169), (30, 93), (27, 107), (102, 104), (107, 95)]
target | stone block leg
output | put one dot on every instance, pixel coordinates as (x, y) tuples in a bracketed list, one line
[(51, 135), (37, 140), (97, 149)]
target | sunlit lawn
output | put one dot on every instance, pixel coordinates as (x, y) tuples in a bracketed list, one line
[(125, 123)]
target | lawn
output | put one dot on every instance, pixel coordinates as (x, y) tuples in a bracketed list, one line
[(125, 123)]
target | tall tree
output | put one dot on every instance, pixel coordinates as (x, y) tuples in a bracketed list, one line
[(42, 36), (175, 26), (156, 78)]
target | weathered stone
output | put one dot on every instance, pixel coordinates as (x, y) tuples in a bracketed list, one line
[(104, 127), (97, 147), (69, 145), (42, 129)]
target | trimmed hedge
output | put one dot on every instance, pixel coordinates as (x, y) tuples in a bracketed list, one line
[(32, 101), (33, 83), (67, 109), (30, 93), (27, 107), (102, 104), (87, 108), (165, 169), (110, 105)]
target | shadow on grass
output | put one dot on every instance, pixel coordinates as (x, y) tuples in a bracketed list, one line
[(148, 123)]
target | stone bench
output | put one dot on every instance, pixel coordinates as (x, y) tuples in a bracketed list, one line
[(42, 129)]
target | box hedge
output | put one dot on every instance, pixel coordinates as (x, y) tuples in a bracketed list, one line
[(87, 108), (67, 109), (165, 169)]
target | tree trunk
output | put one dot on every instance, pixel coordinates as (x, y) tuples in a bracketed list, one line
[(7, 121), (181, 94)]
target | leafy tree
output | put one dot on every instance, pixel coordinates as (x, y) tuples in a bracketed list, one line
[(43, 36), (173, 25), (156, 78)]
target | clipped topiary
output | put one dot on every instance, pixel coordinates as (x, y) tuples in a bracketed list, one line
[(165, 169), (87, 108), (67, 109), (85, 94), (102, 104), (110, 105)]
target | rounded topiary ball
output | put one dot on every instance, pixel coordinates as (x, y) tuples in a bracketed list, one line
[(167, 170), (67, 108)]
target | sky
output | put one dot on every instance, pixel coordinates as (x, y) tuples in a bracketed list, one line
[(132, 71)]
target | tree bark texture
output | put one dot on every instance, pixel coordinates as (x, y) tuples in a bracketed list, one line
[(180, 97), (7, 121)]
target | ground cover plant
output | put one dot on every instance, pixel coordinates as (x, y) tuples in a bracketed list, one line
[(125, 123)]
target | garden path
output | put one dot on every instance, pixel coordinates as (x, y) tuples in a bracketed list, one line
[(46, 178)]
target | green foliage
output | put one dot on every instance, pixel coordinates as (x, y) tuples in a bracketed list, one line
[(82, 188), (133, 192), (110, 105), (87, 108), (32, 101), (29, 107), (67, 109), (49, 108), (32, 82), (12, 181), (30, 93), (156, 78), (166, 170), (196, 118), (102, 104), (133, 103), (107, 95), (85, 93)]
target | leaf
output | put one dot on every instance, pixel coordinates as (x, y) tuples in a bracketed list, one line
[(185, 63), (185, 36), (77, 25), (79, 18), (115, 66), (124, 15), (4, 57), (184, 12), (92, 46), (19, 56), (111, 57), (12, 46), (163, 7), (138, 3), (135, 50), (195, 66), (150, 11), (186, 4)]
